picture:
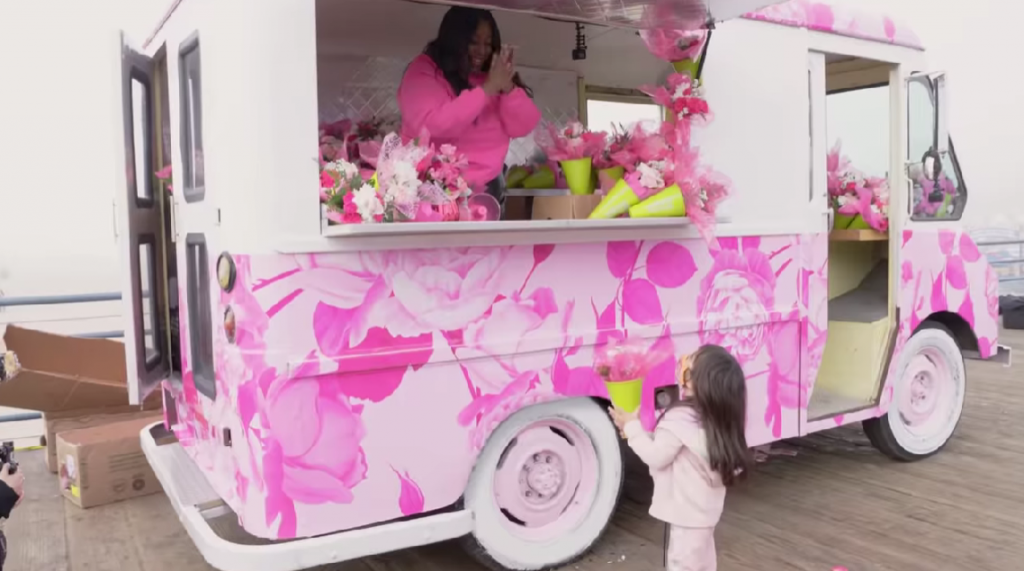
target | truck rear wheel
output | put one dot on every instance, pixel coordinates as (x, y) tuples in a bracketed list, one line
[(928, 397), (545, 486)]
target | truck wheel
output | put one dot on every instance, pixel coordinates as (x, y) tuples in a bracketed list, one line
[(928, 397), (545, 486)]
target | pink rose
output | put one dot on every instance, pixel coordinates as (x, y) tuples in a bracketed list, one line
[(446, 289), (319, 434), (326, 180), (735, 298), (515, 338)]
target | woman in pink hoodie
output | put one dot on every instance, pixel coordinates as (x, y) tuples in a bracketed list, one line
[(463, 90), (698, 449)]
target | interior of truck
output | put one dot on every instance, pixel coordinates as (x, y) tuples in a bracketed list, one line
[(861, 313)]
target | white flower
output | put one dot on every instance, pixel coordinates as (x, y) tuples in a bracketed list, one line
[(650, 175), (347, 170), (403, 188), (367, 202)]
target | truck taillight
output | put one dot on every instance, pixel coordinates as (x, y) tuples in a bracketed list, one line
[(226, 272), (229, 324)]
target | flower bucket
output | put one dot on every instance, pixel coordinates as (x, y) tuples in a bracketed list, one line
[(614, 204), (543, 178), (516, 177), (858, 223), (626, 395), (666, 204), (842, 221), (577, 175), (608, 178), (688, 66)]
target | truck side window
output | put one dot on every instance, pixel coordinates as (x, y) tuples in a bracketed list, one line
[(200, 319), (189, 78), (945, 198)]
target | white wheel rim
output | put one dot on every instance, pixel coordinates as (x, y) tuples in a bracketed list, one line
[(928, 394), (584, 494)]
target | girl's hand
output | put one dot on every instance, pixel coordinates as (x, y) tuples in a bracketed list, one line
[(499, 79), (620, 418)]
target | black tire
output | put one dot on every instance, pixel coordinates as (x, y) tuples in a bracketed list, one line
[(880, 431)]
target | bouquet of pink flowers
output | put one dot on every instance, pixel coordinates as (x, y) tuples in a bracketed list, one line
[(859, 202), (414, 182), (573, 142), (623, 367), (346, 196), (682, 95), (575, 149), (619, 361)]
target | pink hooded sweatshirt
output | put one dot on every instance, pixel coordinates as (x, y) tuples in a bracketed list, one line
[(480, 126), (687, 492)]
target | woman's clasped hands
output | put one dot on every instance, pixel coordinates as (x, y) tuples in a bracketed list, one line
[(501, 74)]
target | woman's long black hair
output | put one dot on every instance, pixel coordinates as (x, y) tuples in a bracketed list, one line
[(450, 50), (720, 399)]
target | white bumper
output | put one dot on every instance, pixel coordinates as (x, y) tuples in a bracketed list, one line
[(228, 548)]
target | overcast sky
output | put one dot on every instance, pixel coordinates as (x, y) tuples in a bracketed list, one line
[(50, 180)]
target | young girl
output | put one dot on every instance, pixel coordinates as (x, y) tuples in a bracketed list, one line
[(697, 450)]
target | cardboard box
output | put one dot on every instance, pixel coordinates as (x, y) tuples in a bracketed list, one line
[(67, 378), (564, 207), (58, 422), (105, 464)]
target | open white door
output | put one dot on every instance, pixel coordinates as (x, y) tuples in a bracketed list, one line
[(139, 229)]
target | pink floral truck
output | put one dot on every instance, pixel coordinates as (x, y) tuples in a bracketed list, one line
[(345, 390)]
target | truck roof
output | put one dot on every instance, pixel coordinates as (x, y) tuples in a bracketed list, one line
[(819, 16), (841, 20)]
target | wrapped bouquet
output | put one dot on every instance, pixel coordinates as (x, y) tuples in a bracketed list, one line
[(623, 366), (575, 148)]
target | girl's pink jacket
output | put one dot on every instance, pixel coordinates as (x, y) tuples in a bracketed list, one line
[(481, 127), (687, 492)]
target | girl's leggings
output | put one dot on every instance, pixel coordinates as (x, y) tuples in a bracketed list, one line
[(689, 549)]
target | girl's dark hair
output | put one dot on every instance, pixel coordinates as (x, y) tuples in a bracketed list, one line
[(450, 50), (720, 399)]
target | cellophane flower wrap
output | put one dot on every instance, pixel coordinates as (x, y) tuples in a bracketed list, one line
[(333, 137), (647, 158), (674, 45), (418, 182), (627, 360), (570, 143), (851, 193), (613, 153)]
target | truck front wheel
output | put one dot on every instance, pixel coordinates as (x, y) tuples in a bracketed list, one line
[(545, 486), (928, 397)]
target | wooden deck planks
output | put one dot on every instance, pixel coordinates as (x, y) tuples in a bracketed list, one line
[(837, 502)]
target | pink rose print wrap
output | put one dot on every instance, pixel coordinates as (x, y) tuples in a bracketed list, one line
[(360, 387)]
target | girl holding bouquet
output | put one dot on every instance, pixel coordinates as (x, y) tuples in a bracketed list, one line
[(697, 450), (464, 91)]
